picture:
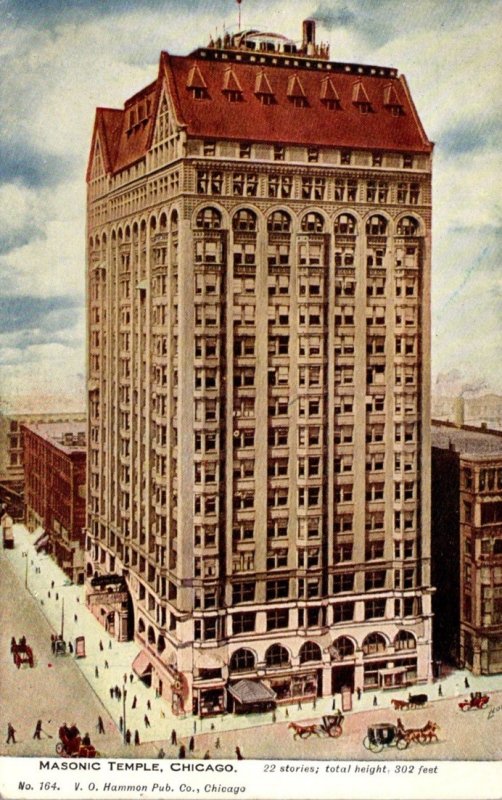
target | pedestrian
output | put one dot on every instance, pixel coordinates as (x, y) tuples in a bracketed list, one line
[(11, 734), (75, 617), (148, 705), (238, 753), (48, 594), (333, 704), (195, 727), (134, 701), (112, 692), (52, 584), (57, 595), (466, 683), (217, 743), (161, 753), (136, 737), (207, 755), (109, 644), (440, 691), (146, 721), (107, 666), (124, 679), (128, 736), (131, 677), (38, 729), (299, 705), (70, 648), (101, 725), (118, 693), (53, 643), (96, 672), (101, 645), (212, 726), (274, 716), (358, 690), (182, 752), (191, 744), (286, 713), (314, 704), (375, 701), (121, 724), (174, 738)]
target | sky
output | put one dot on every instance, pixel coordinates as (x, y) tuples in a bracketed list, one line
[(59, 59)]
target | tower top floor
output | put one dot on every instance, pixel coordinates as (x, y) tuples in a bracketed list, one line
[(263, 88)]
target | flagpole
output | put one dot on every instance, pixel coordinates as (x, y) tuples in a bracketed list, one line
[(62, 617), (239, 4)]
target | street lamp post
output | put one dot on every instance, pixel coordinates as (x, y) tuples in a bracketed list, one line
[(124, 729)]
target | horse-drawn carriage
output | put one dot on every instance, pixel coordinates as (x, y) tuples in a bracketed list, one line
[(413, 701), (330, 725), (72, 745), (21, 652), (476, 700), (384, 735)]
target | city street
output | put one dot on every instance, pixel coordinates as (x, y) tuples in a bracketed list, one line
[(65, 689)]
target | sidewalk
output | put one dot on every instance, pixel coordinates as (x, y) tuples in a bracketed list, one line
[(47, 582)]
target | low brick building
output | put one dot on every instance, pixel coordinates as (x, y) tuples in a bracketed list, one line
[(55, 473)]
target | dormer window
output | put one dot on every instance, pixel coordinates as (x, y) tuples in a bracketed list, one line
[(407, 161), (196, 84), (198, 93), (392, 102), (312, 155), (296, 93), (209, 147), (263, 89), (231, 86), (376, 159), (360, 98), (329, 95), (345, 157)]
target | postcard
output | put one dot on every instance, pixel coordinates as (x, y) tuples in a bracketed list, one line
[(250, 400)]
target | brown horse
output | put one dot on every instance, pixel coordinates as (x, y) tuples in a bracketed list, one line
[(303, 731), (400, 705), (423, 735)]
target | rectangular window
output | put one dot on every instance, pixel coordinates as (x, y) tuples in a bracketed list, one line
[(244, 622), (278, 618), (343, 612), (243, 592), (374, 608), (277, 589)]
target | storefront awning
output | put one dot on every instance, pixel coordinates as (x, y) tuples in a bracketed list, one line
[(43, 535), (246, 691), (141, 665), (392, 671), (42, 542)]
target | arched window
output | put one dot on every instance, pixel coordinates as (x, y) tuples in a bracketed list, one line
[(310, 651), (151, 635), (407, 226), (163, 222), (345, 224), (277, 656), (242, 660), (312, 223), (208, 218), (141, 625), (161, 644), (244, 220), (374, 643), (376, 225), (174, 221), (405, 641), (279, 221), (89, 570), (343, 647)]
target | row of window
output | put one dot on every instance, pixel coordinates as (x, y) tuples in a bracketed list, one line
[(312, 222)]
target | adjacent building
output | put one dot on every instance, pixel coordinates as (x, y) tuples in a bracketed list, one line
[(55, 478), (483, 411), (258, 387), (467, 545)]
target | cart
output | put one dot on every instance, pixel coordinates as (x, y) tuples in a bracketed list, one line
[(331, 725), (384, 735), (477, 700)]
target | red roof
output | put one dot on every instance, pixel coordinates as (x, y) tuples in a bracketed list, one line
[(316, 122)]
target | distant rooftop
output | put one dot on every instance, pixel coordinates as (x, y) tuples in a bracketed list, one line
[(67, 436), (466, 439)]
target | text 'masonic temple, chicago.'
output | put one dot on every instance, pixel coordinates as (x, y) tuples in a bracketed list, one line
[(258, 376)]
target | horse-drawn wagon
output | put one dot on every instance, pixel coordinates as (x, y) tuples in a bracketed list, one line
[(383, 735), (477, 700), (72, 745), (330, 725)]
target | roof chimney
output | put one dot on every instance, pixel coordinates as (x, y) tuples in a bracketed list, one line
[(308, 43), (459, 411)]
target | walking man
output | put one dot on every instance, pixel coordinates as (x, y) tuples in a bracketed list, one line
[(107, 666), (38, 729), (182, 752), (174, 738), (238, 753), (101, 725), (466, 683), (121, 724), (147, 721), (136, 737), (101, 645), (148, 705), (128, 736), (191, 744), (375, 701), (134, 701), (11, 737), (440, 691), (96, 672)]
